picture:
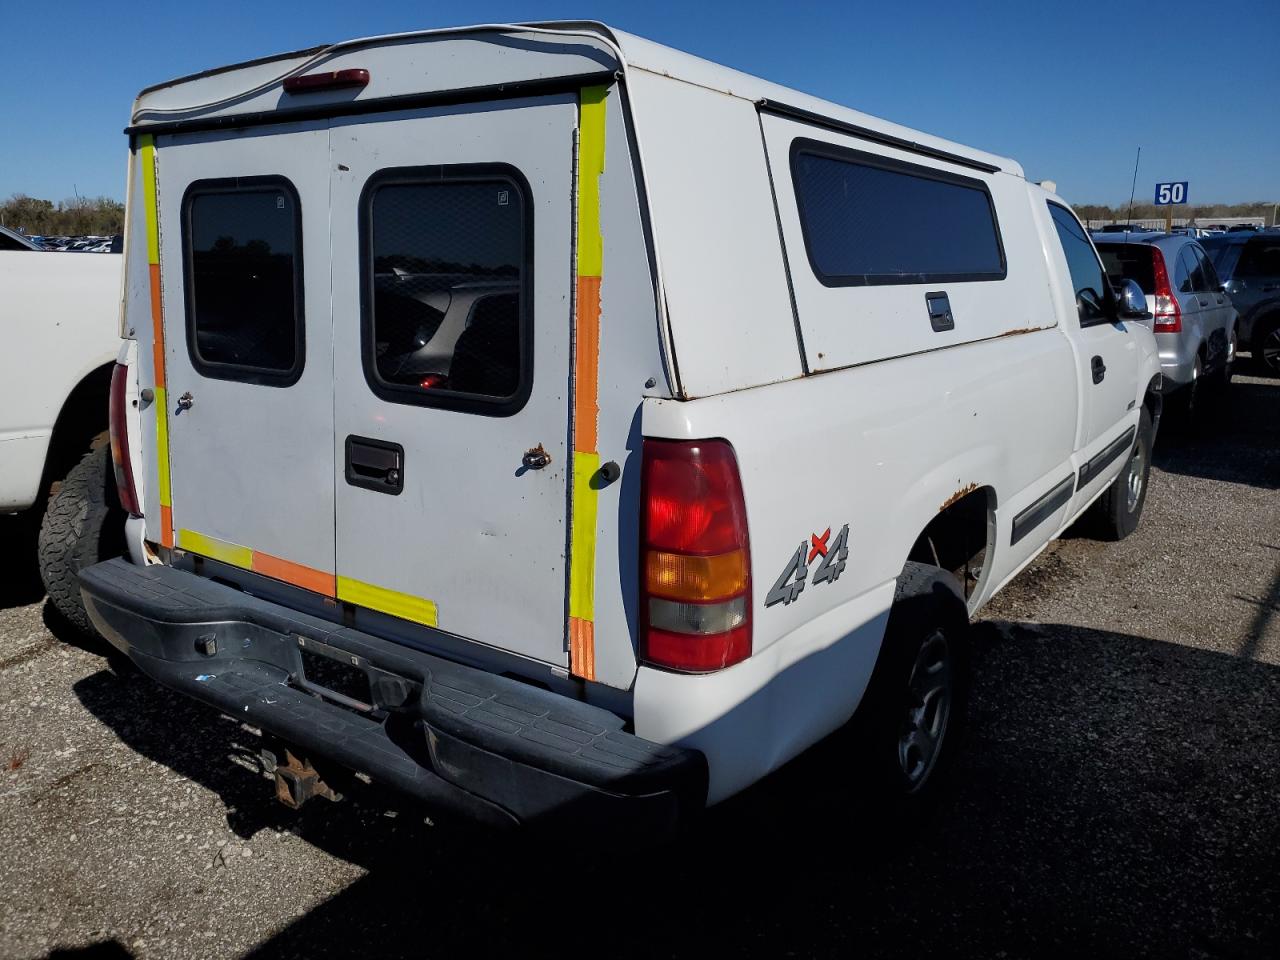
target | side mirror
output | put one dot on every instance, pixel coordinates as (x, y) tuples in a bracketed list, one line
[(1132, 302)]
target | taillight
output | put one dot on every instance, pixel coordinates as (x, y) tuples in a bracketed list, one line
[(119, 423), (695, 563), (1168, 313)]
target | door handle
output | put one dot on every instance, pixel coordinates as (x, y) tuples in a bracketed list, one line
[(1099, 369), (375, 465), (1203, 303)]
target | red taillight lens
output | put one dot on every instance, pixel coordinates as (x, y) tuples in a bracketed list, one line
[(332, 80), (119, 424), (695, 587), (1168, 312)]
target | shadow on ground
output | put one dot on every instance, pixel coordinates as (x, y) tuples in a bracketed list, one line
[(1117, 797), (1234, 437), (19, 575)]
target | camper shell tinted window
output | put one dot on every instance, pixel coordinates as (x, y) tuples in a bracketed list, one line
[(242, 244), (446, 287), (869, 220)]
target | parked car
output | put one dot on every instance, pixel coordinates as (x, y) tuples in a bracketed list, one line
[(12, 240), (1194, 320), (62, 327), (1249, 264), (733, 436)]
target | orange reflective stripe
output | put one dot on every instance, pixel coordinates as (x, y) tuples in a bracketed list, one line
[(157, 326), (586, 414), (166, 526), (308, 578), (582, 647)]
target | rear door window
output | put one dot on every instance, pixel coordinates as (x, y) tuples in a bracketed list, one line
[(1192, 275), (1260, 258), (445, 287), (870, 220), (1128, 261), (243, 253), (1211, 281)]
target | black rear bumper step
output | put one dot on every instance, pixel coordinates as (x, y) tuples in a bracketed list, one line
[(487, 746)]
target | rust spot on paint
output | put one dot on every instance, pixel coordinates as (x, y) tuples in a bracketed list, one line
[(1019, 331), (964, 491)]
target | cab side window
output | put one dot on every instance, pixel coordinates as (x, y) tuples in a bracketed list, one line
[(1087, 277)]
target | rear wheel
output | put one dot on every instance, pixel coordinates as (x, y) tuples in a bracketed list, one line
[(1266, 346), (1120, 508), (82, 525), (909, 722)]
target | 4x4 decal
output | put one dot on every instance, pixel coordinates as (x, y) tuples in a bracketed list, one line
[(791, 583)]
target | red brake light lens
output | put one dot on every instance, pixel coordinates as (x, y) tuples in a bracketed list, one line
[(118, 422), (695, 564), (332, 80), (1168, 312)]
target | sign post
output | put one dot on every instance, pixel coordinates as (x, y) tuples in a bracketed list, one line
[(1168, 195)]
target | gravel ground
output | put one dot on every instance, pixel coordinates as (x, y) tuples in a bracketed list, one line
[(1117, 796)]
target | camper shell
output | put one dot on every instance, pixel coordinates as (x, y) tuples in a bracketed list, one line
[(510, 259)]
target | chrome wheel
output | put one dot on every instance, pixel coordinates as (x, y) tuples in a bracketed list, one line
[(1271, 350), (1137, 476), (929, 697)]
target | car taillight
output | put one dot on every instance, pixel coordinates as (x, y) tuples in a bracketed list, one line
[(1168, 313), (119, 423), (695, 564)]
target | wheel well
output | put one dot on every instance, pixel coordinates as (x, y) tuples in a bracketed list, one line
[(82, 418), (1262, 323), (960, 537), (1153, 400)]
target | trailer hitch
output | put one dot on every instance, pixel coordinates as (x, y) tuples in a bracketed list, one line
[(297, 782)]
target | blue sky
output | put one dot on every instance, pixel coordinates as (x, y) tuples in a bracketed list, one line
[(1070, 89)]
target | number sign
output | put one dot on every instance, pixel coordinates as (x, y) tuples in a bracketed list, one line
[(1167, 193)]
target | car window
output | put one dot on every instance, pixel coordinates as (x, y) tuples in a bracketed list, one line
[(446, 306), (1128, 261), (869, 220), (1182, 272), (1211, 281), (1260, 258), (1087, 277), (11, 243), (243, 253), (1193, 281)]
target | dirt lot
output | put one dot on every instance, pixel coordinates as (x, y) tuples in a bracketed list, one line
[(1119, 793)]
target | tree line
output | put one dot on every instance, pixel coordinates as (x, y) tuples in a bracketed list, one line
[(76, 217), (1201, 214)]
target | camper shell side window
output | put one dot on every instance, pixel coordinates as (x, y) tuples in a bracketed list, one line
[(446, 287), (869, 220), (242, 262)]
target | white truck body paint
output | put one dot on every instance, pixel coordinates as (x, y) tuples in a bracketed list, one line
[(843, 406), (60, 313)]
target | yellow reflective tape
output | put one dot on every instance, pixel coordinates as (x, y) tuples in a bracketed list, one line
[(162, 447), (582, 558), (401, 605), (590, 166), (216, 549), (148, 145)]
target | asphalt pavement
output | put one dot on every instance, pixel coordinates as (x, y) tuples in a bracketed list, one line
[(1118, 792)]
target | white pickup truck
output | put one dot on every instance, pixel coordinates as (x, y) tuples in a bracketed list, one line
[(557, 426), (61, 318)]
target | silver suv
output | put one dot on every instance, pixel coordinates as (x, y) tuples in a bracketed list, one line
[(1195, 322)]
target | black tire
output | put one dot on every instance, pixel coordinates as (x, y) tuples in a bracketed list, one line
[(928, 610), (83, 524), (1116, 512)]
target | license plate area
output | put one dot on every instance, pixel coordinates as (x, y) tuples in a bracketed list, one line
[(334, 674)]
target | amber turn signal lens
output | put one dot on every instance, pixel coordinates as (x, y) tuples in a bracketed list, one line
[(681, 577)]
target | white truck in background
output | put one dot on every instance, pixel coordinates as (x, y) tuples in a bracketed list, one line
[(60, 316)]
